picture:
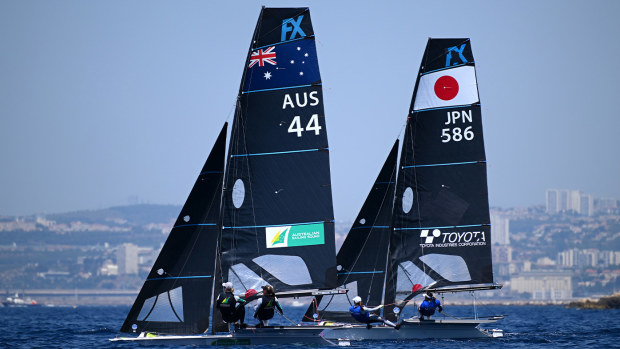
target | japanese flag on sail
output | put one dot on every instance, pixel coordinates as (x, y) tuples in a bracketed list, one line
[(456, 86)]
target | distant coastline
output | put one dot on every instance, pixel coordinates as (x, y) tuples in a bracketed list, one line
[(98, 297), (610, 302)]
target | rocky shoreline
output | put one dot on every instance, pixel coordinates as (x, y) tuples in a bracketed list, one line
[(610, 302)]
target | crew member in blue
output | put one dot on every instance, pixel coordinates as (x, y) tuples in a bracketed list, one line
[(363, 315), (231, 307), (266, 306), (427, 308)]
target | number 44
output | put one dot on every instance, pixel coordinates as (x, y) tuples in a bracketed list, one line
[(313, 125)]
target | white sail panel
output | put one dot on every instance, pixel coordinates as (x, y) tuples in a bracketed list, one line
[(456, 86), (243, 277), (408, 275), (166, 307), (450, 267), (291, 270)]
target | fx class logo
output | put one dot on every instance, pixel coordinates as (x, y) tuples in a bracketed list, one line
[(456, 50), (293, 26), (429, 239)]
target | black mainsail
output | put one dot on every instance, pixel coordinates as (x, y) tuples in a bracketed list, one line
[(277, 205), (175, 297), (362, 257), (441, 221)]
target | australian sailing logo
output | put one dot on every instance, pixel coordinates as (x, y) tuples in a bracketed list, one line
[(437, 238), (295, 235)]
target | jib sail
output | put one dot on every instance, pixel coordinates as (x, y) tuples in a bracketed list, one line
[(175, 296), (363, 256)]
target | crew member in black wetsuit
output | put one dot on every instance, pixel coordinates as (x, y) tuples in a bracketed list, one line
[(231, 307), (265, 308)]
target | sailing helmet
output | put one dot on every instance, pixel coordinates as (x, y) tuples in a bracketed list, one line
[(227, 285), (428, 295), (357, 300)]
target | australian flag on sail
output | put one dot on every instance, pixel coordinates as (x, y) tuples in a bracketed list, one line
[(282, 65)]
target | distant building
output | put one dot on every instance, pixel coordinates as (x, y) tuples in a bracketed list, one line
[(587, 258), (569, 200), (544, 285), (127, 259), (606, 205), (500, 230), (108, 269)]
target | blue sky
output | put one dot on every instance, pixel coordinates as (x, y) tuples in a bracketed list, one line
[(103, 102)]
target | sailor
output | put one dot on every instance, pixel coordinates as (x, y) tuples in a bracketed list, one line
[(363, 315), (266, 306), (427, 308), (231, 307)]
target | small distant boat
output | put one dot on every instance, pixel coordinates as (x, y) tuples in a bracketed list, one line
[(18, 301)]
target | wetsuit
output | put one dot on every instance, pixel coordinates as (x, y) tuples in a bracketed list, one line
[(231, 307), (427, 308), (265, 309), (363, 315)]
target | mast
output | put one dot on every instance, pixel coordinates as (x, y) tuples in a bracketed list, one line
[(441, 218), (277, 209), (174, 298)]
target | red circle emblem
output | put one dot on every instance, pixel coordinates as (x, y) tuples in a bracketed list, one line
[(446, 88)]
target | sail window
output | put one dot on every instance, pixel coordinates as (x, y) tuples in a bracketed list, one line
[(186, 219), (238, 193), (291, 270), (408, 275), (341, 302), (165, 307), (407, 200), (242, 276), (450, 267), (363, 221)]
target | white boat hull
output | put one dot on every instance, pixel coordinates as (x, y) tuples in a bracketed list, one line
[(326, 335), (250, 336), (412, 329)]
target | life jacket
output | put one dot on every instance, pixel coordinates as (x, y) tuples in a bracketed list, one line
[(428, 307), (358, 313), (226, 303), (266, 308)]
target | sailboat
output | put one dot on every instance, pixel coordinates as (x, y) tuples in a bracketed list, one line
[(436, 218), (260, 214)]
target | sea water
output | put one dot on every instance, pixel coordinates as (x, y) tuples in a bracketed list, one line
[(524, 327)]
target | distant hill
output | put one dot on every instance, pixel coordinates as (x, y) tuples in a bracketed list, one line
[(134, 215)]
